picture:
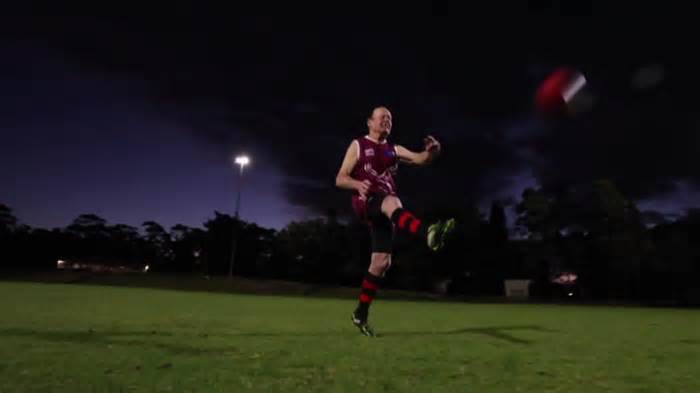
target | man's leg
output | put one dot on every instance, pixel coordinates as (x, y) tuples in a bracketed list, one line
[(382, 235), (370, 285), (405, 221)]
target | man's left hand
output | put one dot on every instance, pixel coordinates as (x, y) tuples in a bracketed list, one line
[(431, 144)]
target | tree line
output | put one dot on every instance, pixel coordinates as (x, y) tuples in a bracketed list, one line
[(590, 230)]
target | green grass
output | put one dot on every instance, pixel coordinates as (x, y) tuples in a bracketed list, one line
[(81, 338)]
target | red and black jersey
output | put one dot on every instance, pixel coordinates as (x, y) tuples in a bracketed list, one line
[(378, 163)]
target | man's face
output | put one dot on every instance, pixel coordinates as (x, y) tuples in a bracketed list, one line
[(380, 122)]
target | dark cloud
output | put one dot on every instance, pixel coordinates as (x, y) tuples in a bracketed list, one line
[(294, 91), (644, 144), (654, 218)]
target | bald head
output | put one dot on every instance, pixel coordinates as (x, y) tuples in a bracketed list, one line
[(380, 122)]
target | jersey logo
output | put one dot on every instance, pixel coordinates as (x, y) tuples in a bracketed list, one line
[(369, 152)]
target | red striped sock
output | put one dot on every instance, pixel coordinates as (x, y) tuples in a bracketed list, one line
[(406, 221), (368, 290)]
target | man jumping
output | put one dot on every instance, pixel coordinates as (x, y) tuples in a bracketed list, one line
[(368, 169)]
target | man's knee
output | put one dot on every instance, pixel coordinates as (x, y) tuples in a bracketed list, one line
[(389, 204), (381, 262)]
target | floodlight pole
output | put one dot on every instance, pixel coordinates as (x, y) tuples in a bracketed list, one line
[(242, 161)]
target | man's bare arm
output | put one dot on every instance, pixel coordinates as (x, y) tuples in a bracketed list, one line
[(343, 178), (432, 149)]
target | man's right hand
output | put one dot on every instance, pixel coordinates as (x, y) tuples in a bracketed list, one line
[(363, 188)]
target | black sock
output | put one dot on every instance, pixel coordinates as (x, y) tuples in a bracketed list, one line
[(405, 221), (368, 290)]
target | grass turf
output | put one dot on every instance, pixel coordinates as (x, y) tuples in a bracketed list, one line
[(81, 338)]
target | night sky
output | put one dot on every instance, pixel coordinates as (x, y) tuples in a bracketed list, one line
[(138, 117)]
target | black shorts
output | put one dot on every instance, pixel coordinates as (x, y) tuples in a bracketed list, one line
[(380, 226)]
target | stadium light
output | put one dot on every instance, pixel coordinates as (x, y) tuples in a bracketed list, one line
[(242, 161)]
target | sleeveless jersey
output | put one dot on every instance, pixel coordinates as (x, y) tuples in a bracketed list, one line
[(378, 163)]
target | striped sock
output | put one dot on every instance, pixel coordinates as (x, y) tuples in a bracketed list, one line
[(368, 291), (405, 221)]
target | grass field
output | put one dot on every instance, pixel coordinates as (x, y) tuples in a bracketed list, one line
[(81, 338)]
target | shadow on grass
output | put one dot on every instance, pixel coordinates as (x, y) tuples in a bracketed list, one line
[(140, 339), (497, 332), (150, 339)]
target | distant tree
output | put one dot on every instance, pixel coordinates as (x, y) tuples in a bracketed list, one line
[(254, 251), (219, 241), (616, 239), (188, 245), (158, 245), (125, 243), (677, 259), (8, 232), (125, 232), (89, 226), (301, 244), (497, 224), (257, 251), (42, 248), (89, 235), (609, 209), (322, 251), (8, 222), (179, 232), (536, 215)]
